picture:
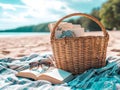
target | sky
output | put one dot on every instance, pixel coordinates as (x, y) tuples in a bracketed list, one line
[(17, 13)]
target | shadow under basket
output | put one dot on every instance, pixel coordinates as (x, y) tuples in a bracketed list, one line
[(78, 54)]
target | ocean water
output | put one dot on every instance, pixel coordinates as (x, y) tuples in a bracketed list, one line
[(8, 34)]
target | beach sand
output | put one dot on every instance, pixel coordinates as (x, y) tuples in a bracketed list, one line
[(19, 46)]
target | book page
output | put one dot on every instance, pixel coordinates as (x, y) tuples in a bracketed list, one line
[(49, 78), (76, 26), (63, 26), (66, 26), (30, 73), (57, 74), (51, 25), (35, 71), (78, 30)]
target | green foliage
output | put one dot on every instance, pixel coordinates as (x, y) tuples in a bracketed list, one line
[(34, 28), (87, 23), (92, 25), (41, 28), (110, 14)]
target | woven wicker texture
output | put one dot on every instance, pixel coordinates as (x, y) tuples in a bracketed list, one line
[(77, 54)]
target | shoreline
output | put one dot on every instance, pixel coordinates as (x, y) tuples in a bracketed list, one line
[(21, 34)]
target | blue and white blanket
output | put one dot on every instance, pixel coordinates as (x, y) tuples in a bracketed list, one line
[(106, 78)]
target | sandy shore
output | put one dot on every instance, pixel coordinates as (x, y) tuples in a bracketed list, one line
[(20, 46), (23, 45)]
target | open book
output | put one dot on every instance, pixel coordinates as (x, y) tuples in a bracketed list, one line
[(55, 75)]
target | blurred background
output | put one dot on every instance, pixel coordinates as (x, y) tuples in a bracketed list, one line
[(34, 15), (31, 17)]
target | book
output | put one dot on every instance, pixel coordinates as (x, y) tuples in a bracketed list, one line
[(78, 30), (55, 75), (64, 26), (61, 27)]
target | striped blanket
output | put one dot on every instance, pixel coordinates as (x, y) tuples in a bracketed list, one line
[(105, 78)]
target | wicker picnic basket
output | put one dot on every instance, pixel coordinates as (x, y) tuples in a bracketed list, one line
[(77, 54)]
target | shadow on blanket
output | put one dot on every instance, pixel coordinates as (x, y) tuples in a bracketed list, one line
[(107, 77)]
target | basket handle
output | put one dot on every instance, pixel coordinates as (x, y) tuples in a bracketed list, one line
[(79, 14)]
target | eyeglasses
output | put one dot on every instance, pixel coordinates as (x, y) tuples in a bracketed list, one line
[(45, 64)]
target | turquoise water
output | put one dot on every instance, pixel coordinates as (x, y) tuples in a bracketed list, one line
[(5, 34)]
